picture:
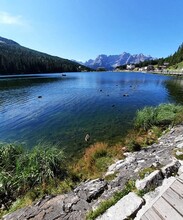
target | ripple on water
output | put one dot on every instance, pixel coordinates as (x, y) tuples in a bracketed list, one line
[(102, 104)]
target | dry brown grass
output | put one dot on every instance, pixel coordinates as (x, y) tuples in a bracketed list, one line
[(96, 159)]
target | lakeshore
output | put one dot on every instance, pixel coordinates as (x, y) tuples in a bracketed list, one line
[(105, 154), (167, 72), (90, 194), (61, 111)]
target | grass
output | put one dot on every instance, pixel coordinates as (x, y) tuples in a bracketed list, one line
[(28, 175), (96, 160), (36, 171), (162, 116), (149, 124), (140, 138), (179, 157), (130, 186), (146, 171), (142, 192), (111, 177), (178, 66)]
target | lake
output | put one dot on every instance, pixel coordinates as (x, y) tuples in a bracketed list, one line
[(60, 110)]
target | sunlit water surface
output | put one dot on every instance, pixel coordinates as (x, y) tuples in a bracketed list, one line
[(60, 110)]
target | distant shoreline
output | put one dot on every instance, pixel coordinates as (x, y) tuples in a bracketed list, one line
[(168, 73)]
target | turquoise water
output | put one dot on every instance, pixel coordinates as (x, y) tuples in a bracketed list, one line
[(100, 104)]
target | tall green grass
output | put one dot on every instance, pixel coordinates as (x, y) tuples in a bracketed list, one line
[(163, 115), (22, 170)]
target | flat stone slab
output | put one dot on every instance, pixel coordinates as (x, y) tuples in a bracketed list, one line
[(120, 164), (153, 180), (124, 208), (180, 146), (91, 189)]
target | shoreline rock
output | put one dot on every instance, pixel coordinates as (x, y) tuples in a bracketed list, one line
[(88, 195)]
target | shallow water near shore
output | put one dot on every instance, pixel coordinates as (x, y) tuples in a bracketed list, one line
[(60, 110)]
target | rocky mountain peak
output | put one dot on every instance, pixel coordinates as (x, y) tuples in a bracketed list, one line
[(112, 61)]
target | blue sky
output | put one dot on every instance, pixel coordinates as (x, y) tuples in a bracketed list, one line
[(83, 29)]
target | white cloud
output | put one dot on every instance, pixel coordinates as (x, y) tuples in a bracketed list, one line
[(6, 18)]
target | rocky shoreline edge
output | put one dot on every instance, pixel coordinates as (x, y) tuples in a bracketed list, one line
[(89, 195)]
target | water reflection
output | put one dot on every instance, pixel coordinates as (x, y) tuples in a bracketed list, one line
[(175, 88), (80, 103)]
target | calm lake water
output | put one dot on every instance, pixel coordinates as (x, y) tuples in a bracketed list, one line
[(77, 104)]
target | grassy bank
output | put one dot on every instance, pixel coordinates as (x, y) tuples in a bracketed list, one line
[(149, 123), (28, 175)]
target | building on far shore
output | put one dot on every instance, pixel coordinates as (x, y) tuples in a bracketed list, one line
[(130, 67)]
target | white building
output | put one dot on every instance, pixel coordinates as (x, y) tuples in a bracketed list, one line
[(130, 67)]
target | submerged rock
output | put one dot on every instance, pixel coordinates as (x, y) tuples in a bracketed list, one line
[(87, 137)]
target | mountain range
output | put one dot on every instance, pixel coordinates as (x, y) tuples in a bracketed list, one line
[(16, 59), (112, 61)]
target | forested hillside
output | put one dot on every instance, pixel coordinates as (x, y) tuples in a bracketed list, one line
[(17, 59), (177, 57), (171, 60)]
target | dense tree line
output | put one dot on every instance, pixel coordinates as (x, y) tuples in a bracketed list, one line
[(173, 59), (17, 59), (177, 57)]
